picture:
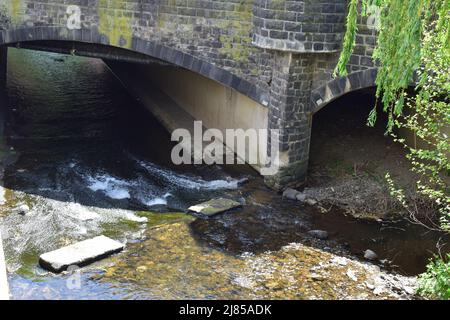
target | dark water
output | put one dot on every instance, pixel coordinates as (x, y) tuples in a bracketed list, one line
[(88, 160)]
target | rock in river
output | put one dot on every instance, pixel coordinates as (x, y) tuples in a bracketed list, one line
[(22, 209), (311, 202), (301, 197), (319, 234), (80, 254), (370, 255), (290, 194), (215, 206)]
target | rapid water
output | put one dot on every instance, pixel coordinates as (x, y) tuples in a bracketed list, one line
[(83, 159)]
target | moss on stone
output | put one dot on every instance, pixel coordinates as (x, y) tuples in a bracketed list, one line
[(13, 10), (155, 219), (237, 42)]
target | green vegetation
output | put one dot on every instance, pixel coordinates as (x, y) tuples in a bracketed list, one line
[(414, 39), (435, 282)]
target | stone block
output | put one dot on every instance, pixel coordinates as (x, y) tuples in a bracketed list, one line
[(215, 206), (80, 254)]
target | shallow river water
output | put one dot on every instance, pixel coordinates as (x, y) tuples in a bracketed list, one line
[(88, 160)]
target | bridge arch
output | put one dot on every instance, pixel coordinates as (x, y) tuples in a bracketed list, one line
[(237, 45), (151, 49), (337, 87)]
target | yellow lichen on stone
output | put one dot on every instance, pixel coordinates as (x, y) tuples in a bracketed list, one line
[(114, 22), (14, 8)]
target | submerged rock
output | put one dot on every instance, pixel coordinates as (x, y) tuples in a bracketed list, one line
[(301, 197), (370, 255), (80, 254), (311, 202), (215, 206), (293, 194), (319, 234), (351, 274)]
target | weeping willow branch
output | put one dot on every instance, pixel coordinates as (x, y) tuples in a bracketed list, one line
[(349, 38), (413, 39)]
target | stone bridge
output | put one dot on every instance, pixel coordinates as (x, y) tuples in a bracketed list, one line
[(273, 59)]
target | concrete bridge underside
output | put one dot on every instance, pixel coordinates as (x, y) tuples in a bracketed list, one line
[(264, 64)]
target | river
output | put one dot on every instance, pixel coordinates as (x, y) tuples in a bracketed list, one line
[(87, 159)]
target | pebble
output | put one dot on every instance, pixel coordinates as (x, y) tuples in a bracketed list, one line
[(311, 202), (370, 255), (340, 261), (290, 194), (409, 290), (273, 285), (316, 277), (378, 290), (22, 209), (141, 269), (301, 197), (369, 286), (351, 274)]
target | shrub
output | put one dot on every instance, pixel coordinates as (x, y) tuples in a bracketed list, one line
[(435, 282)]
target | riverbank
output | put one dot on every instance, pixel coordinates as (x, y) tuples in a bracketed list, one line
[(349, 162)]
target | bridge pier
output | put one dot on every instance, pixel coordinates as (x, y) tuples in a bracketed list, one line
[(3, 64), (289, 112)]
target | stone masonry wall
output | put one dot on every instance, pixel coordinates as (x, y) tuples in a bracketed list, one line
[(299, 26), (289, 112), (215, 31)]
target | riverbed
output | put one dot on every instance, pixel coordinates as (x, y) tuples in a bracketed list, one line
[(84, 159)]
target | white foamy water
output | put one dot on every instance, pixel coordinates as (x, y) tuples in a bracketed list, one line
[(150, 192), (155, 202), (50, 224), (112, 187), (118, 194), (189, 182), (79, 212)]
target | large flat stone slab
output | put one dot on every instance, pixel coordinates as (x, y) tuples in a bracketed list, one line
[(80, 254), (215, 206)]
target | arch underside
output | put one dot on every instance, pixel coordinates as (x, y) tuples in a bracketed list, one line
[(150, 48), (336, 88)]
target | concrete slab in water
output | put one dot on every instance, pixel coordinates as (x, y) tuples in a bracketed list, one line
[(215, 206), (80, 254)]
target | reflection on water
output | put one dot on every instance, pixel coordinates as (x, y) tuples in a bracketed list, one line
[(81, 158)]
